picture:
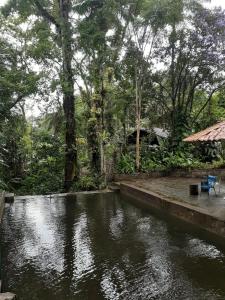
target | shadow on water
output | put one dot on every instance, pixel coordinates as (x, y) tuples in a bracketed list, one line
[(102, 247), (178, 225)]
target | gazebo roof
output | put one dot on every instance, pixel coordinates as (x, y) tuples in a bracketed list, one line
[(213, 133)]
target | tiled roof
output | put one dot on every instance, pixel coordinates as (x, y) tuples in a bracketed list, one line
[(213, 133)]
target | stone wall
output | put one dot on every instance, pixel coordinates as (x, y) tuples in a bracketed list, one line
[(4, 296), (175, 173), (199, 173), (2, 204)]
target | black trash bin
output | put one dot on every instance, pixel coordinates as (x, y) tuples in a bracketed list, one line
[(194, 189)]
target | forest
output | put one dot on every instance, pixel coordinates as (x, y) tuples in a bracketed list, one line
[(97, 71)]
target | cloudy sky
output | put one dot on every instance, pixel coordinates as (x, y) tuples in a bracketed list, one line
[(2, 2), (213, 3)]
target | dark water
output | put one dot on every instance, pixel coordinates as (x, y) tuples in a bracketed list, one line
[(99, 247)]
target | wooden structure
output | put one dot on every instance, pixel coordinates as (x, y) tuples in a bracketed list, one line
[(151, 137)]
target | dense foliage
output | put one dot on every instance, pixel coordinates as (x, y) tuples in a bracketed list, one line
[(99, 70)]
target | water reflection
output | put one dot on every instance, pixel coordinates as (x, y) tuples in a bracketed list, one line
[(99, 247), (83, 258)]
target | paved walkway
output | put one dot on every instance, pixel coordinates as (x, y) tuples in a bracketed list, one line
[(178, 189)]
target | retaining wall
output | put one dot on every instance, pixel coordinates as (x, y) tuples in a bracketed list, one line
[(174, 173), (4, 296), (194, 215)]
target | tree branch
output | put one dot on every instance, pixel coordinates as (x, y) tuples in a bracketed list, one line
[(46, 15), (204, 106)]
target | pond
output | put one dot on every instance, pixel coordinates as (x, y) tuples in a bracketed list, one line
[(103, 247)]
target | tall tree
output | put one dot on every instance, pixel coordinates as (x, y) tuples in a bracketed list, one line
[(100, 33), (17, 83), (56, 15), (71, 165), (141, 36), (193, 61)]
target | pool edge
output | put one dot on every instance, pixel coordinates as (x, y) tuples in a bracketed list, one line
[(194, 215)]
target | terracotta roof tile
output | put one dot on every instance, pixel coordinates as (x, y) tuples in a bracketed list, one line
[(213, 133)]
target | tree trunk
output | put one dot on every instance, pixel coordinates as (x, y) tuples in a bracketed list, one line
[(173, 87), (63, 29), (101, 130), (71, 165), (138, 122), (124, 133), (92, 138)]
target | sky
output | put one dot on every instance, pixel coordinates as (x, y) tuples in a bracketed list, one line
[(213, 3), (2, 2)]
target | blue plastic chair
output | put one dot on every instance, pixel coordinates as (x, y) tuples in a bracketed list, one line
[(209, 184)]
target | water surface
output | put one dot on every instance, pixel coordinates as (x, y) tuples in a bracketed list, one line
[(102, 247)]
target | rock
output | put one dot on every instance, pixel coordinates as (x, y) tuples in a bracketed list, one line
[(7, 296)]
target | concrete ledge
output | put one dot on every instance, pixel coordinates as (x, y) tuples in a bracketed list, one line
[(7, 296), (186, 212), (68, 195), (4, 296)]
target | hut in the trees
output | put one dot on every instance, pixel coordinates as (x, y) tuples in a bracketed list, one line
[(210, 134), (150, 137), (211, 141)]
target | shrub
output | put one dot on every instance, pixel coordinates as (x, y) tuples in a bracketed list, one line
[(147, 165), (85, 183), (3, 185), (126, 164), (186, 157)]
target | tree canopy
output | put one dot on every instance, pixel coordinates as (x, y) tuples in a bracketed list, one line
[(99, 71)]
